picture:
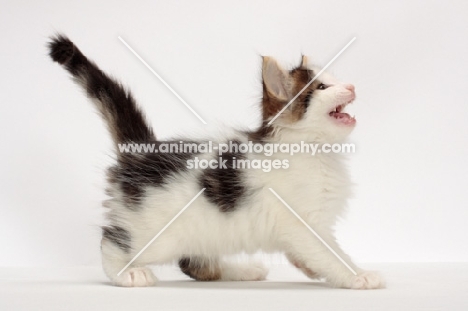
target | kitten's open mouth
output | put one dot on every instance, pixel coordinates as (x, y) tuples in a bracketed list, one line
[(342, 117)]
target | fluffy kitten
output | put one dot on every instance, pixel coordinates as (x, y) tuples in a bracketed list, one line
[(236, 213)]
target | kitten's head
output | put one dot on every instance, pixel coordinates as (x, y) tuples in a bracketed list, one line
[(317, 113)]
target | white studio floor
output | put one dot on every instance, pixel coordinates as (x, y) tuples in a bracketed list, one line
[(427, 286)]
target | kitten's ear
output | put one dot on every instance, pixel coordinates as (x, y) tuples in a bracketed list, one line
[(275, 78), (304, 62)]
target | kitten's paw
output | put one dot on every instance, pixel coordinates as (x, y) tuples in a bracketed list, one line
[(253, 271), (136, 277), (368, 280)]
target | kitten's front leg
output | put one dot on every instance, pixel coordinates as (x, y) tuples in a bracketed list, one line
[(315, 257)]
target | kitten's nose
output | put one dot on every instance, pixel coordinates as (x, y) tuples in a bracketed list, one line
[(350, 87)]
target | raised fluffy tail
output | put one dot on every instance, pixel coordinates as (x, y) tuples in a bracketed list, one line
[(124, 119)]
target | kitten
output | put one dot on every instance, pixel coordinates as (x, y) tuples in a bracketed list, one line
[(236, 213)]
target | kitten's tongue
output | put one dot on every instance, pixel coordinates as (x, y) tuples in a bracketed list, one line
[(343, 117)]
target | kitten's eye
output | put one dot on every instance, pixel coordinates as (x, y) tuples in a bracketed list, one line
[(322, 86)]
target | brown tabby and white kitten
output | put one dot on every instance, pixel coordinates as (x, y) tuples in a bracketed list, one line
[(236, 213)]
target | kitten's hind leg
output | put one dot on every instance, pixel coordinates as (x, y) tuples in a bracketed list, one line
[(114, 258), (212, 269), (201, 268)]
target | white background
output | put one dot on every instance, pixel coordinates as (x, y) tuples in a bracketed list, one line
[(408, 64)]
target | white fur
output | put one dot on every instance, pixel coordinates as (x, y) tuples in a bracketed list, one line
[(316, 187)]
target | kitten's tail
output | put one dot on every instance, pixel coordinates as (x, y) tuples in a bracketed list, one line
[(124, 119)]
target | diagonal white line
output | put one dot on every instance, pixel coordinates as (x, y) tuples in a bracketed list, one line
[(313, 79), (160, 232), (313, 231), (161, 79)]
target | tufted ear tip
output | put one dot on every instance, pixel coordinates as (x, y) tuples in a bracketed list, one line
[(266, 60), (304, 61)]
